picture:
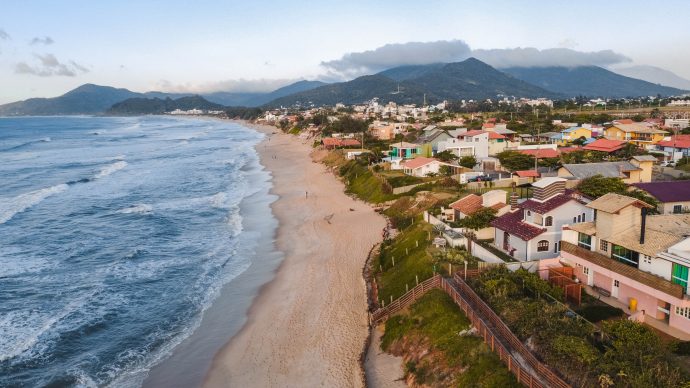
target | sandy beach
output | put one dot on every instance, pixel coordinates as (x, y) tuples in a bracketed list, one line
[(308, 326)]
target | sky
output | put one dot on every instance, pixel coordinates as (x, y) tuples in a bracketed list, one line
[(48, 47)]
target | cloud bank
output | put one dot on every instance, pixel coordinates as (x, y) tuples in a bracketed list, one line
[(420, 53), (261, 85), (46, 40), (48, 65)]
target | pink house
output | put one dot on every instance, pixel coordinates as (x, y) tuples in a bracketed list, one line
[(637, 262)]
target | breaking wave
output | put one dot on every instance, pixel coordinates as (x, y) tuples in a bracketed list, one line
[(12, 206)]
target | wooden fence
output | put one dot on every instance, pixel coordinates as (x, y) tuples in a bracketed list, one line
[(530, 372)]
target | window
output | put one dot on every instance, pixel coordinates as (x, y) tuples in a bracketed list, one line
[(680, 275), (625, 256), (574, 220), (542, 246), (683, 311), (583, 217), (556, 247), (616, 283), (604, 245), (584, 241), (548, 221), (647, 259), (579, 218), (585, 270), (677, 209), (529, 213)]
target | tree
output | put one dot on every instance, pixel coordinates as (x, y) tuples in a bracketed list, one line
[(480, 219), (445, 170), (468, 161), (446, 156), (598, 186), (514, 161)]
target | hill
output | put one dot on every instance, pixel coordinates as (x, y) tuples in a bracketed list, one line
[(591, 81), (149, 106), (258, 99), (469, 79), (86, 99)]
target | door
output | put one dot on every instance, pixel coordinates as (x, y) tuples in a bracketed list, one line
[(506, 241), (614, 289)]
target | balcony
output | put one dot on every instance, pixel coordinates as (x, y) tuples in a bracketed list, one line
[(656, 282)]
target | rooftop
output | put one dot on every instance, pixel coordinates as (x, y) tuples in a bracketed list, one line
[(548, 181), (418, 162), (605, 145), (541, 153), (512, 223), (527, 173), (638, 128), (605, 169), (468, 204), (613, 203), (548, 205), (673, 191)]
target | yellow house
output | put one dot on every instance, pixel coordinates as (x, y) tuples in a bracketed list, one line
[(573, 133), (637, 133)]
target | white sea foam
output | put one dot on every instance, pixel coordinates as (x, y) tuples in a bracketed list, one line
[(107, 170), (9, 207), (137, 209)]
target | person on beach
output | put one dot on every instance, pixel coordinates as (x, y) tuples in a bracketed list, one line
[(306, 194)]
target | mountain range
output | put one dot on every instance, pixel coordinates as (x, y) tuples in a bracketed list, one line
[(469, 79)]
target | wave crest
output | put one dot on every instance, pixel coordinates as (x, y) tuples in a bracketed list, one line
[(107, 170), (12, 206)]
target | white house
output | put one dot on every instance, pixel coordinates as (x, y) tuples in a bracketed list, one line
[(421, 167), (532, 229), (471, 143)]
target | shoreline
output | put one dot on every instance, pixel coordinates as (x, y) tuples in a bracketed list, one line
[(308, 325)]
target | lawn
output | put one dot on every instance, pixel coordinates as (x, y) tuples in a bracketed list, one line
[(452, 358)]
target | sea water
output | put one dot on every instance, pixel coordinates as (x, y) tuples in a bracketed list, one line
[(115, 235)]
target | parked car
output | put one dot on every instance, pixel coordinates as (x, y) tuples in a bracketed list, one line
[(668, 163), (480, 178)]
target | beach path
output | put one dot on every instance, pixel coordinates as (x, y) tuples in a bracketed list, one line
[(307, 327)]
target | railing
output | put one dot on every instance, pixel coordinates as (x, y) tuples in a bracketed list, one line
[(410, 297), (489, 326), (503, 331)]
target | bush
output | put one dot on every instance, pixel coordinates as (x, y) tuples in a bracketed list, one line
[(596, 313)]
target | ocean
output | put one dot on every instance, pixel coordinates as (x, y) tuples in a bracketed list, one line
[(116, 235)]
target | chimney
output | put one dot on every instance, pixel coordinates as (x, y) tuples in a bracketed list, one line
[(513, 199), (643, 224)]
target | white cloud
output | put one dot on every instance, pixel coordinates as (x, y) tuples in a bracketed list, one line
[(46, 40), (261, 85), (419, 53), (398, 54), (49, 66)]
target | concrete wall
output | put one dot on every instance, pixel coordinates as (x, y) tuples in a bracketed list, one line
[(667, 208)]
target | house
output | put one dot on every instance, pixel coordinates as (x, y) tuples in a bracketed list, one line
[(640, 134), (541, 153), (469, 143), (605, 145), (638, 169), (404, 150), (673, 196), (472, 203), (333, 143), (497, 143), (525, 176), (637, 262), (421, 166), (429, 141), (676, 147), (573, 133), (532, 229)]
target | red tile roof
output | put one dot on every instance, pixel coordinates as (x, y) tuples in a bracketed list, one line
[(527, 174), (494, 135), (679, 141), (468, 204), (474, 132), (512, 223), (541, 153), (547, 206), (489, 125), (565, 150), (623, 121), (605, 145), (418, 162)]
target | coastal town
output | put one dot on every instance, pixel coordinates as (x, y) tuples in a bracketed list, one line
[(553, 240)]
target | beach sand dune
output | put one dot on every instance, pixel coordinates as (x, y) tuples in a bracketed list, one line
[(307, 327)]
